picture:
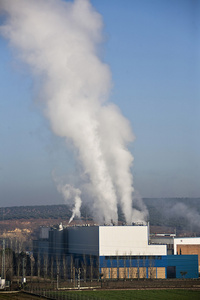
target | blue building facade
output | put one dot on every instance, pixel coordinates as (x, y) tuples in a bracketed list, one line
[(167, 266)]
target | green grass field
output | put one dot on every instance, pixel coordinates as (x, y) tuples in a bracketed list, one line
[(174, 294)]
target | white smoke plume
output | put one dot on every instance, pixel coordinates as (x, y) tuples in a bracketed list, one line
[(60, 42), (70, 193)]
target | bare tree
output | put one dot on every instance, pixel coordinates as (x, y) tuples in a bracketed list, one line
[(125, 268), (18, 264), (97, 269), (32, 265), (105, 270), (45, 261), (64, 266), (51, 268), (58, 265), (151, 268), (71, 267), (38, 265), (91, 268), (111, 268), (138, 267), (117, 256), (84, 267), (130, 266)]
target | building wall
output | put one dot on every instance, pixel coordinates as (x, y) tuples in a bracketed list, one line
[(40, 247), (185, 241), (111, 240), (189, 249), (161, 272), (56, 243), (133, 273), (83, 240), (127, 240), (186, 265), (182, 266), (44, 232), (164, 240), (187, 246)]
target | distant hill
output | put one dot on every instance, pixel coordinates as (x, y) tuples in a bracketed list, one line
[(179, 213), (35, 212)]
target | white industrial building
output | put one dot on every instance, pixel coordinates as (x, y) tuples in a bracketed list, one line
[(112, 241), (120, 252)]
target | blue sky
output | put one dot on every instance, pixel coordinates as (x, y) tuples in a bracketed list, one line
[(152, 48)]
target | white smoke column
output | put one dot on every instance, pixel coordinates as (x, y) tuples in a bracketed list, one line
[(59, 41), (71, 193), (76, 210)]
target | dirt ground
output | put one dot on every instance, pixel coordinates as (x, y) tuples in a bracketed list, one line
[(18, 296)]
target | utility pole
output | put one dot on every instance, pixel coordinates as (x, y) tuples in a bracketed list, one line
[(23, 272), (57, 281), (3, 261), (79, 278), (2, 278)]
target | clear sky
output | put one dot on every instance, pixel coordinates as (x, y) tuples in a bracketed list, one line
[(152, 48)]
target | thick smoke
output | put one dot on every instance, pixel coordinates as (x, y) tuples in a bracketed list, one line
[(70, 193), (60, 42)]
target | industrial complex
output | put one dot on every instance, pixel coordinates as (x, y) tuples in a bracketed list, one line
[(120, 252)]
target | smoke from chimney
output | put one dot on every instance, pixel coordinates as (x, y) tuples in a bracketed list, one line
[(60, 43)]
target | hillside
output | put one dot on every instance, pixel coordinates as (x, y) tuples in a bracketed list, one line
[(180, 213)]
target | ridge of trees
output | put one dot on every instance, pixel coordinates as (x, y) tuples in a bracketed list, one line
[(159, 212)]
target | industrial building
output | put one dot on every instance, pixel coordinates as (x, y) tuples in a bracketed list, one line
[(187, 246), (41, 246), (112, 241), (125, 252), (119, 252), (164, 239)]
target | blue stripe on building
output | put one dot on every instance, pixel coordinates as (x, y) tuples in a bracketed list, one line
[(176, 266)]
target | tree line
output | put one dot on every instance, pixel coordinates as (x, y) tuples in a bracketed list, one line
[(157, 208)]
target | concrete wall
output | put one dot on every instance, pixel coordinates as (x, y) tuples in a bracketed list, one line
[(127, 240)]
